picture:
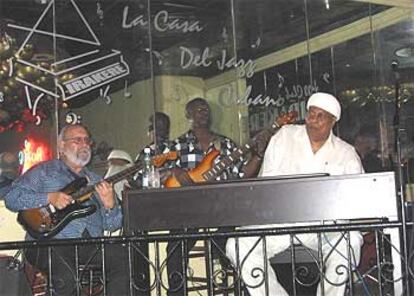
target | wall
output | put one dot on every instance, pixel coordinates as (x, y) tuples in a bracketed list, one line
[(123, 123)]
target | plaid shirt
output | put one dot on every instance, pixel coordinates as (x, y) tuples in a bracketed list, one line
[(191, 153)]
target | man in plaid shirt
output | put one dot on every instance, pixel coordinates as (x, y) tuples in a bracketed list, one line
[(193, 146)]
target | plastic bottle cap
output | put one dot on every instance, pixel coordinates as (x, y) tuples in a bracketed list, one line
[(147, 150)]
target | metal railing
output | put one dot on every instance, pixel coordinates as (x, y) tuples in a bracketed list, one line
[(231, 270)]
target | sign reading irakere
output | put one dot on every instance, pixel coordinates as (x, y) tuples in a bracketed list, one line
[(94, 79)]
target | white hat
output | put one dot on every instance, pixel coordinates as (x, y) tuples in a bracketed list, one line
[(119, 154), (326, 102)]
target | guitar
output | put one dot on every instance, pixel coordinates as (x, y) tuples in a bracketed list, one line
[(206, 170), (47, 221)]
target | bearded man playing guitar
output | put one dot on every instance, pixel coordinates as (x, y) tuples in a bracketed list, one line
[(42, 186), (194, 146)]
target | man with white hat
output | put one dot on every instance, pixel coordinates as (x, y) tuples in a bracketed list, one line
[(118, 160), (304, 149)]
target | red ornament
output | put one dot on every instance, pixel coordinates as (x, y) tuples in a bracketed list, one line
[(19, 126), (28, 117)]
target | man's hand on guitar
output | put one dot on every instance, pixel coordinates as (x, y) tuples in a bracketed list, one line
[(260, 142), (165, 174), (262, 138), (106, 194), (59, 200)]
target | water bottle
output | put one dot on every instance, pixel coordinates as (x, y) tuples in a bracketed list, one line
[(147, 169), (154, 179)]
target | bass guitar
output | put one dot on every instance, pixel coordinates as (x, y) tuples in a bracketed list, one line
[(47, 221), (207, 171)]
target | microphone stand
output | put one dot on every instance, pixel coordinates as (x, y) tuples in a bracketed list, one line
[(400, 176)]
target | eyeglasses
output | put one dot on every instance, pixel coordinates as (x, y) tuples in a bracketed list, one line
[(319, 115), (202, 109), (80, 140)]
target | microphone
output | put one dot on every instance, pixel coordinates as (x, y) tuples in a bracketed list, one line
[(395, 65), (395, 68)]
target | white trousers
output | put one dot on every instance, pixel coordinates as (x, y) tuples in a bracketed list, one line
[(251, 260)]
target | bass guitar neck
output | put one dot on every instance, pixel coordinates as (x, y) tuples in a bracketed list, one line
[(208, 170)]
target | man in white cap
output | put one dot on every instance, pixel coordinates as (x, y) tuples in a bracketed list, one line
[(304, 149), (118, 160)]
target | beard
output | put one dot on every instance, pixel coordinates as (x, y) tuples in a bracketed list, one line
[(80, 157)]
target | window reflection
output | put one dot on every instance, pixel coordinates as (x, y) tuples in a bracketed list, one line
[(251, 60)]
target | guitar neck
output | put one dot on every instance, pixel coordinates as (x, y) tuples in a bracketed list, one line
[(158, 160), (84, 193), (224, 163), (124, 173), (228, 160)]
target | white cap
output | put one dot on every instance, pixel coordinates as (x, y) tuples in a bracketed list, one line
[(326, 102), (119, 154), (147, 150)]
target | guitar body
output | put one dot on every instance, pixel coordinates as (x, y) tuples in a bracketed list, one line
[(207, 170), (46, 222), (196, 174)]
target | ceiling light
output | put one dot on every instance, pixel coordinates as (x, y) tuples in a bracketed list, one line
[(42, 1), (405, 52)]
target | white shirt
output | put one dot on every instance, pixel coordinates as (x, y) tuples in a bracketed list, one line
[(290, 152)]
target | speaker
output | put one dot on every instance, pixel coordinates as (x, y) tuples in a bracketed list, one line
[(307, 271), (12, 278)]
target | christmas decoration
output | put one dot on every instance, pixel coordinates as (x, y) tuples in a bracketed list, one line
[(359, 97), (16, 109)]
